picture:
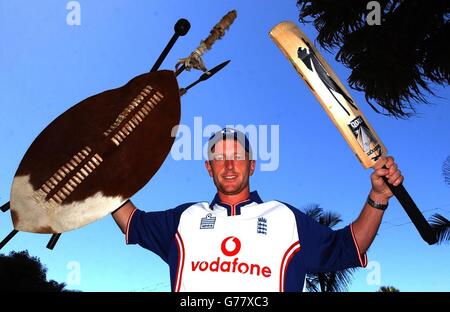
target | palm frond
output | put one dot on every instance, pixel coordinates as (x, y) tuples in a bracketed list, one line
[(313, 211), (316, 212), (392, 63), (446, 170), (327, 281), (388, 289), (330, 219), (441, 225), (323, 14), (341, 280), (330, 281), (312, 283)]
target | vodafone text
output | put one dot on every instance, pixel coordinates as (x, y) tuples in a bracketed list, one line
[(231, 266)]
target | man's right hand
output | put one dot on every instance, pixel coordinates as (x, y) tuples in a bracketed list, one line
[(380, 192)]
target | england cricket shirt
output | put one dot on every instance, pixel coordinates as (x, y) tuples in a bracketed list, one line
[(250, 246)]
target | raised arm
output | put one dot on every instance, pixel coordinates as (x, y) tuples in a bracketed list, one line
[(122, 215), (366, 225)]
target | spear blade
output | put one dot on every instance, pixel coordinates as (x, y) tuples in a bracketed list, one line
[(205, 76), (212, 72)]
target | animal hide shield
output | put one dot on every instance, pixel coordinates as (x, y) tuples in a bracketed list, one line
[(96, 155)]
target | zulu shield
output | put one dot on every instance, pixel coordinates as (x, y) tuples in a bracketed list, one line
[(91, 159)]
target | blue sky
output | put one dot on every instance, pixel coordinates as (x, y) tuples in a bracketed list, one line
[(46, 66)]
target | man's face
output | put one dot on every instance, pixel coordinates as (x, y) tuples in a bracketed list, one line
[(230, 167)]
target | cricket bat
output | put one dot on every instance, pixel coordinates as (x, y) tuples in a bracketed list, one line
[(343, 111)]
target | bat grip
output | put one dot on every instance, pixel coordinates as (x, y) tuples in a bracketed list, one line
[(417, 218)]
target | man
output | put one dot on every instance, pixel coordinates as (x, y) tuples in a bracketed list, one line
[(240, 243)]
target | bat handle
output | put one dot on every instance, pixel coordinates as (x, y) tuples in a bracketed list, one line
[(417, 218)]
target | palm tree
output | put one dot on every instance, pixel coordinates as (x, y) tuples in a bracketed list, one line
[(330, 281), (21, 272), (442, 227), (394, 62), (446, 170), (440, 223), (388, 289)]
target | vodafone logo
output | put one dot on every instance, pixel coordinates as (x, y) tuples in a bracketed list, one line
[(230, 247), (230, 252)]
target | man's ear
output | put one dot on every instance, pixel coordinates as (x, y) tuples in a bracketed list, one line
[(208, 167), (252, 166)]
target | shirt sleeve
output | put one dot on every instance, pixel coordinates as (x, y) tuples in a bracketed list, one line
[(154, 230), (326, 250)]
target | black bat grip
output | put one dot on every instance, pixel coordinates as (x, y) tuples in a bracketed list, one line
[(423, 227)]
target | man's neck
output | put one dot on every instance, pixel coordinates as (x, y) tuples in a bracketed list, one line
[(235, 198)]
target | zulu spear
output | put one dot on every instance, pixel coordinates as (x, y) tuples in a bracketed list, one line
[(181, 28), (205, 76), (194, 60)]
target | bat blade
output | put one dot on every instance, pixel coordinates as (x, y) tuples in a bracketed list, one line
[(330, 92), (343, 111)]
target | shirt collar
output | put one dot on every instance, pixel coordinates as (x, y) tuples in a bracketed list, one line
[(233, 210)]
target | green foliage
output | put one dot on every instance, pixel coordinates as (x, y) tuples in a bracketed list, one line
[(388, 289), (446, 170), (441, 225), (21, 272), (327, 281)]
